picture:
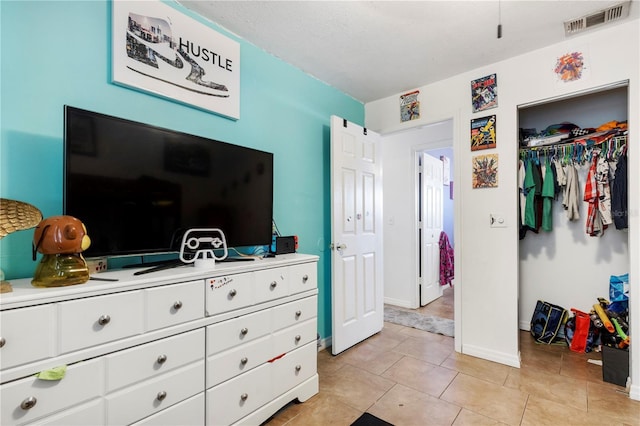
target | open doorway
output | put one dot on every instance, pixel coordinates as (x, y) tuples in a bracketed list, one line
[(436, 227), (401, 207)]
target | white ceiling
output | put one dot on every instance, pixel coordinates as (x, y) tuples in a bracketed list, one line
[(375, 49)]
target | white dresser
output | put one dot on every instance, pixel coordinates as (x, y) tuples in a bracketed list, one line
[(186, 346)]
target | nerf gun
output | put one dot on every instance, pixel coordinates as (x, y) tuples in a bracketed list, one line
[(604, 318), (625, 339)]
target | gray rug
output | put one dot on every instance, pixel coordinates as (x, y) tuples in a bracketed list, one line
[(413, 319)]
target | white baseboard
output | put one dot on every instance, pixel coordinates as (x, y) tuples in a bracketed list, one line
[(499, 357), (397, 302), (634, 392), (525, 325), (324, 343)]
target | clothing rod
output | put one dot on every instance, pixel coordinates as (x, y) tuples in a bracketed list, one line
[(576, 142)]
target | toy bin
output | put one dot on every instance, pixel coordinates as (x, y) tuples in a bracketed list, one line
[(615, 365)]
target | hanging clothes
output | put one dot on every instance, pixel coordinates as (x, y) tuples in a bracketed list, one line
[(522, 231), (446, 260), (571, 195), (561, 177), (548, 193), (530, 194), (537, 177), (619, 207), (523, 197), (533, 203), (556, 186), (604, 192), (594, 226)]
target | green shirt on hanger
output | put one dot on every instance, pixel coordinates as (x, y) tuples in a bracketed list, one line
[(529, 205), (548, 194)]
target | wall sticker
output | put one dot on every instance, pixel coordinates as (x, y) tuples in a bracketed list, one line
[(571, 67)]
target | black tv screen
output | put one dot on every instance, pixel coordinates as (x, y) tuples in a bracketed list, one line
[(138, 188)]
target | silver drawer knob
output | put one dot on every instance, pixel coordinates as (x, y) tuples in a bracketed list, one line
[(2, 342), (244, 331), (298, 367), (298, 313), (161, 359), (305, 278), (298, 337), (28, 403), (244, 396), (232, 292), (244, 360), (161, 395), (177, 305), (104, 320), (274, 284)]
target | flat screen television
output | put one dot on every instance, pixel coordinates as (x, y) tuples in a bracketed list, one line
[(138, 187)]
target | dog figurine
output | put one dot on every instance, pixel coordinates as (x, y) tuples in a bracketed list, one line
[(61, 240)]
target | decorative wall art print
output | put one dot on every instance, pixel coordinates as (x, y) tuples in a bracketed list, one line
[(485, 171), (571, 67), (410, 106), (483, 133), (159, 50), (484, 93)]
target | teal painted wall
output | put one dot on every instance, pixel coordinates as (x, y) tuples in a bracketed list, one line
[(55, 53)]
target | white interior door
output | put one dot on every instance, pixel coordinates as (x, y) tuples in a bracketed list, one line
[(430, 227), (357, 299)]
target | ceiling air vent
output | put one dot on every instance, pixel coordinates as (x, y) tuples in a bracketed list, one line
[(612, 13)]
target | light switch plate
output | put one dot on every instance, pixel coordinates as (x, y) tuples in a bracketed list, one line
[(496, 220)]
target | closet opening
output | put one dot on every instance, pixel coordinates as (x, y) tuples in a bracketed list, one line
[(571, 245)]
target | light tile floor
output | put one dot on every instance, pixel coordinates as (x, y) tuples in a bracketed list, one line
[(410, 377)]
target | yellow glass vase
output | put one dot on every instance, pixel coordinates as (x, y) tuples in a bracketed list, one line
[(62, 269)]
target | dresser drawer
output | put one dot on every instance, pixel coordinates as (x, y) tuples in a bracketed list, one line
[(295, 312), (246, 328), (294, 337), (174, 304), (152, 359), (28, 399), (294, 368), (95, 320), (238, 397), (185, 413), (225, 365), (270, 284), (228, 292), (27, 335), (90, 413), (302, 277), (136, 402)]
